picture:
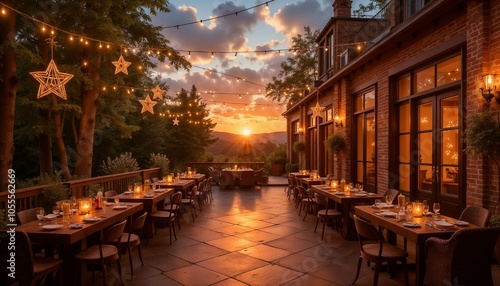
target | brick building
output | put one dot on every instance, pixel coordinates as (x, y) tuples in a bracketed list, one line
[(399, 87)]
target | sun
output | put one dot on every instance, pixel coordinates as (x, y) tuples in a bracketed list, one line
[(246, 132)]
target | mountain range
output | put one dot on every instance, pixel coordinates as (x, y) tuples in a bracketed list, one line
[(231, 144)]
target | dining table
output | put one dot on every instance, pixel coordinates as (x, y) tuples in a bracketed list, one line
[(196, 177), (300, 175), (308, 182), (152, 202), (345, 204), (182, 185), (418, 230), (70, 238)]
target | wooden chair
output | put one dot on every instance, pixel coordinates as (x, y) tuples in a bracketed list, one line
[(208, 189), (133, 238), (306, 201), (463, 259), (326, 214), (257, 176), (106, 252), (476, 215), (109, 194), (168, 216), (30, 269), (27, 215), (391, 192), (374, 249), (215, 174), (227, 179), (189, 201)]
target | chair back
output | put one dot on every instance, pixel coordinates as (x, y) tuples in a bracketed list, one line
[(321, 201), (476, 215), (155, 179), (463, 259), (24, 263), (366, 230), (227, 178), (175, 200), (208, 184), (138, 223), (303, 193), (201, 185), (112, 235), (257, 175), (192, 193), (109, 194), (27, 215)]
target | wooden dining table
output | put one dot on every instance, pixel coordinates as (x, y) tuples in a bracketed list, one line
[(418, 234), (182, 185), (152, 202), (70, 241), (345, 205), (196, 177), (308, 182)]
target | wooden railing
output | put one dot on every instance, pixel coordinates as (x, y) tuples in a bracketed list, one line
[(30, 197), (221, 165)]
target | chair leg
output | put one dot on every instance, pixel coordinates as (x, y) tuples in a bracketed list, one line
[(375, 275), (405, 269), (357, 271), (130, 260), (103, 271), (118, 264), (173, 227), (178, 220), (323, 231), (140, 253), (170, 231), (317, 220), (305, 212)]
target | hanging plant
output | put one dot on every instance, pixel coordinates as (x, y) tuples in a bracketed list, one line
[(299, 147), (336, 143), (482, 138)]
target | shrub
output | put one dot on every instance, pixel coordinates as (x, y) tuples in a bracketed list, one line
[(53, 192), (161, 161), (336, 143), (121, 164)]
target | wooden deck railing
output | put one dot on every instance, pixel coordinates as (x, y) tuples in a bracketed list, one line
[(222, 165), (30, 197)]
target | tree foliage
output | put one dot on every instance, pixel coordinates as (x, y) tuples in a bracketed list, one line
[(372, 5), (298, 71)]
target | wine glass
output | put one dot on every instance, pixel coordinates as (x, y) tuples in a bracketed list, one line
[(73, 204), (130, 188), (117, 201), (55, 210), (425, 207), (377, 203), (436, 207), (360, 187), (39, 215), (388, 200)]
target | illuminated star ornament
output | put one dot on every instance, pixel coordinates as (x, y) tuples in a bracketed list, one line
[(158, 92), (121, 65), (317, 110), (51, 80), (176, 121), (147, 104)]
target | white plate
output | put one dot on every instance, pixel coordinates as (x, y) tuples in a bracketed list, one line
[(360, 195), (429, 213), (49, 217), (121, 207), (461, 223), (128, 193), (443, 224), (149, 196), (76, 225), (108, 204), (91, 219), (388, 214), (410, 224), (372, 194), (52, 226), (383, 205)]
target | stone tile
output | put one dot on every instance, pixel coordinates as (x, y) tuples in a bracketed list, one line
[(194, 275), (306, 280), (229, 282), (269, 275), (154, 280), (233, 229), (164, 262), (265, 252), (300, 263), (204, 235), (281, 230), (198, 252), (256, 224), (233, 264), (232, 243), (291, 244), (258, 236)]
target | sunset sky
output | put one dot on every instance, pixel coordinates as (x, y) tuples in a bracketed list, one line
[(237, 105)]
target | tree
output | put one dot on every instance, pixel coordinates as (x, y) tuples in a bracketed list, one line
[(8, 88), (188, 128), (298, 71), (373, 5)]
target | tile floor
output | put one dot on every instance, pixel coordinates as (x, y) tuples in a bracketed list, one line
[(250, 237)]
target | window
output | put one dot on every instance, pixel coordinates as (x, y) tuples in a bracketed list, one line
[(410, 7)]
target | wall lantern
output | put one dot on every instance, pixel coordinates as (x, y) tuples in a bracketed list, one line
[(489, 89), (338, 121)]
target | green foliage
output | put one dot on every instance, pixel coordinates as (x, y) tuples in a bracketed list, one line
[(291, 167), (92, 190), (299, 147), (278, 156), (53, 192), (373, 5), (161, 161), (336, 143), (298, 71), (494, 221), (122, 164), (482, 135)]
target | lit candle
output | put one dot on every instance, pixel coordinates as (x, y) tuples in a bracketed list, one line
[(65, 206), (417, 209), (236, 167), (138, 189), (334, 184), (84, 206), (169, 178), (347, 191)]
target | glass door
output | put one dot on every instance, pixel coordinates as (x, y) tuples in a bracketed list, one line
[(365, 151)]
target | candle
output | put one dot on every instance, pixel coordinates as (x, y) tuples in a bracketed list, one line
[(84, 206), (65, 206), (347, 191), (170, 178), (417, 209), (138, 189), (235, 167), (334, 184)]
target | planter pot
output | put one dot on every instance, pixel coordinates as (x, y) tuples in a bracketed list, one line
[(277, 169), (264, 180)]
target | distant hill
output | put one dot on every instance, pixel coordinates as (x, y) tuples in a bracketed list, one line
[(230, 144)]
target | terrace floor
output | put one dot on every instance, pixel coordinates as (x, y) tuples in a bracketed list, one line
[(250, 237)]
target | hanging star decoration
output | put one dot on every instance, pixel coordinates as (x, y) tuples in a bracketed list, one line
[(121, 65), (147, 104), (176, 121), (158, 92), (317, 110), (51, 80)]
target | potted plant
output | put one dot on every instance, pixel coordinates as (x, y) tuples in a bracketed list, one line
[(482, 138), (299, 147), (278, 160), (336, 143)]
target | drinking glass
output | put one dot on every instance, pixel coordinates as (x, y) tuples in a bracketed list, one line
[(377, 203), (39, 215), (130, 188), (388, 200), (73, 204), (436, 207), (425, 207), (360, 187), (55, 210), (117, 201)]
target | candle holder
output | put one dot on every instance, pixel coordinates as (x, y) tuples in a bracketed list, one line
[(347, 191), (84, 206), (137, 189), (170, 178), (417, 209), (334, 184)]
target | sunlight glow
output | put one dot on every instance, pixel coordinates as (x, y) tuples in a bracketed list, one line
[(246, 132)]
